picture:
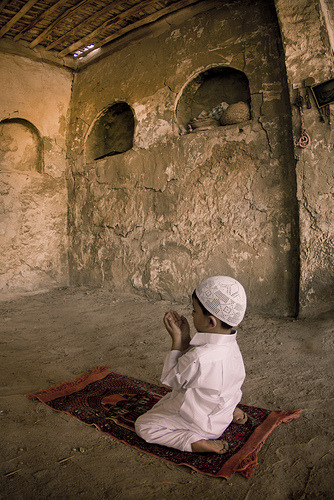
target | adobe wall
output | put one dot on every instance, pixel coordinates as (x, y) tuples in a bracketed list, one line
[(237, 199), (34, 105), (307, 34), (176, 208)]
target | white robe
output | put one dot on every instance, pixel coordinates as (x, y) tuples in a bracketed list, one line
[(206, 382)]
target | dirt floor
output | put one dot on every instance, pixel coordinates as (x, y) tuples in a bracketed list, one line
[(52, 337)]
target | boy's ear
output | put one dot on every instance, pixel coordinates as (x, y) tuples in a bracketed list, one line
[(212, 321)]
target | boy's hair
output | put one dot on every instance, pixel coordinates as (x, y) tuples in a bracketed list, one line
[(207, 313)]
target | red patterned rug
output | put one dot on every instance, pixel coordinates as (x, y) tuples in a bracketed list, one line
[(113, 402)]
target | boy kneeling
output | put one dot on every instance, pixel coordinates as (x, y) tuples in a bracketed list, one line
[(206, 372)]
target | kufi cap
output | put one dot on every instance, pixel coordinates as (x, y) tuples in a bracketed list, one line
[(224, 297)]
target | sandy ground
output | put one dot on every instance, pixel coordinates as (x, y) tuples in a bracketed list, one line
[(56, 336)]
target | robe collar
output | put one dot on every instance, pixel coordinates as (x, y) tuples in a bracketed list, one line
[(213, 338)]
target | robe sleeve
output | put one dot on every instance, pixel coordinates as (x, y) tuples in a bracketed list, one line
[(180, 371)]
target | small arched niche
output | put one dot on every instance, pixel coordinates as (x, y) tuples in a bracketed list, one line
[(206, 100), (20, 146), (112, 133)]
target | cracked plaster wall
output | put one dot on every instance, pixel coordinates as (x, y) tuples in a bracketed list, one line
[(307, 30), (33, 205), (175, 209)]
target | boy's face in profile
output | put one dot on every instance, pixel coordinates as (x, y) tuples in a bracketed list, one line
[(199, 318)]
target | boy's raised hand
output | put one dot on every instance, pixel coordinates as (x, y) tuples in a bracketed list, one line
[(179, 329)]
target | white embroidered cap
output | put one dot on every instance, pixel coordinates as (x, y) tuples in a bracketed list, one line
[(224, 297)]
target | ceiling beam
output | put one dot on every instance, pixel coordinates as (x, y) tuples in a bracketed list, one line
[(83, 23), (17, 16), (106, 25), (39, 18), (55, 23), (150, 19), (3, 4)]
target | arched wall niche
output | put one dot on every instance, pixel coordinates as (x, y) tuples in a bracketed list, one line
[(215, 97), (111, 132), (21, 147)]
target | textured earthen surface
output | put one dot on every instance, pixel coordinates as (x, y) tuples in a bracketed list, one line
[(238, 199), (308, 53), (50, 338), (33, 203), (176, 208)]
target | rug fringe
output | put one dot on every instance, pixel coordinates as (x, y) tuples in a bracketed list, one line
[(68, 387), (245, 460), (291, 415), (247, 467)]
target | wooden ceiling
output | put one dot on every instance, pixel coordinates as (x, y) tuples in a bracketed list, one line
[(75, 28)]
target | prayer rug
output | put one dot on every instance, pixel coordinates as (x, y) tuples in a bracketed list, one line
[(112, 402)]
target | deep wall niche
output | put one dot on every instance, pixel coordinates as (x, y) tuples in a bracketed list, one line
[(214, 97), (112, 132)]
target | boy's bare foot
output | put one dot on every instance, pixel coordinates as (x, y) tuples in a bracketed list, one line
[(239, 417), (210, 446)]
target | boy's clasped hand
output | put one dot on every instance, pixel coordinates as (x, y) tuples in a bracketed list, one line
[(179, 329)]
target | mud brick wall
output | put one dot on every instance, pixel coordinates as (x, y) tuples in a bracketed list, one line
[(308, 41), (140, 202), (34, 104), (179, 206)]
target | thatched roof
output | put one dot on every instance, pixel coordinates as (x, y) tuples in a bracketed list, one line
[(76, 27)]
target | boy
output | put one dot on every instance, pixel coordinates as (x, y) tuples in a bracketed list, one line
[(206, 372)]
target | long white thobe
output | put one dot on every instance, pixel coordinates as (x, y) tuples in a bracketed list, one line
[(206, 383)]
